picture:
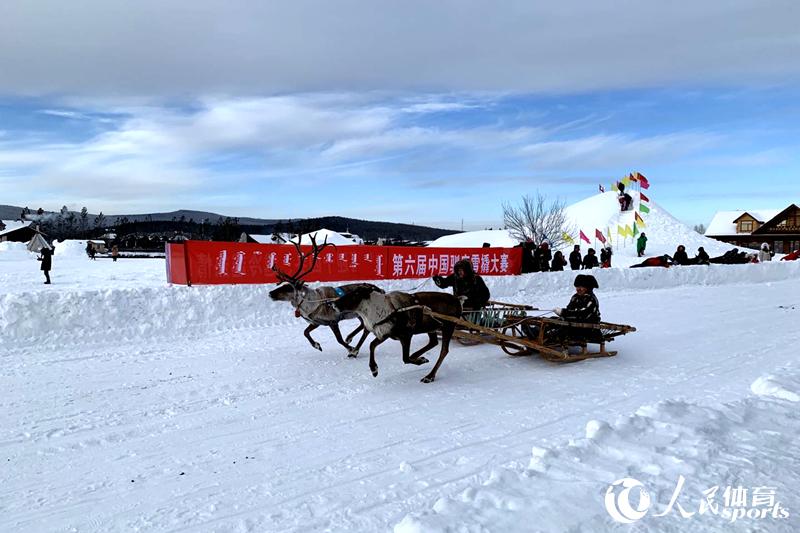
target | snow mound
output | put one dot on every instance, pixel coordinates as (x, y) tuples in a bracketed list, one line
[(742, 443), (14, 251), (329, 236), (70, 248), (601, 212), (498, 238)]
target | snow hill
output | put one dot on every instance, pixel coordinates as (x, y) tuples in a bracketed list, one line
[(601, 212)]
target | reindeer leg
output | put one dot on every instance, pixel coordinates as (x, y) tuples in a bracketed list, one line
[(358, 346), (405, 342), (355, 331), (307, 333), (447, 333), (432, 342), (373, 366), (338, 334)]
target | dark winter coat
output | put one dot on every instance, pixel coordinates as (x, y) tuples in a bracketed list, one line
[(605, 257), (590, 261), (542, 257), (583, 308), (702, 257), (46, 259), (471, 285), (558, 263), (660, 261), (681, 257), (575, 260), (528, 264)]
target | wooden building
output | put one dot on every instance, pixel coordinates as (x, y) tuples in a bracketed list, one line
[(749, 229), (16, 230)]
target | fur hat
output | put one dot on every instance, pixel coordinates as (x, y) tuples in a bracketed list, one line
[(586, 280)]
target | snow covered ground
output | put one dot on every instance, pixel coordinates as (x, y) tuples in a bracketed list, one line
[(131, 405)]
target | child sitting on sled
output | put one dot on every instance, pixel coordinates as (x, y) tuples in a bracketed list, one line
[(582, 307)]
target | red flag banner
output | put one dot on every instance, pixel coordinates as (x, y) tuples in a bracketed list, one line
[(643, 181), (585, 238), (599, 235), (211, 263), (644, 197)]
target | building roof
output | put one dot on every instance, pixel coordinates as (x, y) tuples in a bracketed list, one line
[(724, 223), (14, 225)]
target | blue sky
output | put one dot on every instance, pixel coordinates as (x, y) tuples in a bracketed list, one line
[(401, 120)]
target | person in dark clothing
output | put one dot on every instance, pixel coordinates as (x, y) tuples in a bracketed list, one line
[(660, 261), (46, 258), (558, 263), (575, 258), (466, 283), (583, 306), (680, 256), (731, 257), (641, 244), (527, 257), (702, 257), (590, 261), (542, 257), (605, 256)]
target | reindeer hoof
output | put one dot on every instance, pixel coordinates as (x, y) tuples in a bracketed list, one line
[(419, 361), (374, 372), (352, 353), (427, 379), (318, 346)]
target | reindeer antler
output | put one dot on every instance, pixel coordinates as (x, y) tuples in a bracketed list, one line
[(299, 274)]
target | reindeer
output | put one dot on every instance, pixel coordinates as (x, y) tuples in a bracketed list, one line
[(314, 305), (399, 316)]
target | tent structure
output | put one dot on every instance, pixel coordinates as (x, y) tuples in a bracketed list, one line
[(37, 243)]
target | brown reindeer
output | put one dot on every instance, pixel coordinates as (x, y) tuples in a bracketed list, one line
[(315, 305), (400, 316)]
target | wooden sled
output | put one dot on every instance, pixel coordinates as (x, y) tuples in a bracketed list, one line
[(517, 333)]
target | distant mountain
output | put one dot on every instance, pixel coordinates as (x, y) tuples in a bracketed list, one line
[(366, 229)]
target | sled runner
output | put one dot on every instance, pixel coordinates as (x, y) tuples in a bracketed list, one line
[(517, 332)]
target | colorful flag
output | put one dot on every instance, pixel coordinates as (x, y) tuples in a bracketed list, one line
[(643, 181), (626, 180), (638, 218), (608, 232), (585, 238), (629, 230), (599, 235), (568, 238), (635, 230), (643, 197), (643, 208), (621, 231), (632, 177), (615, 186), (602, 189)]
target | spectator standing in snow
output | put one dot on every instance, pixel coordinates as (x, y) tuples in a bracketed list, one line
[(466, 283), (575, 259), (590, 261), (527, 257), (605, 256), (114, 252), (542, 257), (680, 256), (765, 254), (641, 244), (558, 263), (46, 257)]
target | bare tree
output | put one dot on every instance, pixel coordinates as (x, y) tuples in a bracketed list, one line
[(537, 220)]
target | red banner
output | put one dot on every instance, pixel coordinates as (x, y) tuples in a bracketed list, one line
[(203, 262)]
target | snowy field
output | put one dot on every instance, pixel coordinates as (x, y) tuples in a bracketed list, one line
[(131, 405)]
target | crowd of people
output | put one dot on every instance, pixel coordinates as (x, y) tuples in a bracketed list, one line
[(542, 259)]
